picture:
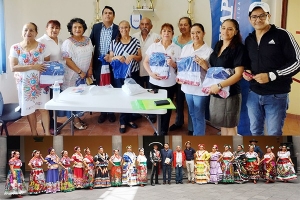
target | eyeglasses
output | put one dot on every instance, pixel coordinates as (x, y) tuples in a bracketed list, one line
[(261, 17)]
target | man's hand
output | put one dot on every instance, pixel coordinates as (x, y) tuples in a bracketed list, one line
[(261, 78)]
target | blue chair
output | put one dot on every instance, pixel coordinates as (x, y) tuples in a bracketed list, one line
[(8, 114)]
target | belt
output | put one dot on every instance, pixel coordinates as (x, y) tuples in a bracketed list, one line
[(189, 160)]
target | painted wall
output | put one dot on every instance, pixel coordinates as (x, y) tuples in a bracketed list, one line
[(18, 12), (293, 26)]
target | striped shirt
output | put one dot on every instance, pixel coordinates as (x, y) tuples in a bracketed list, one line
[(120, 49), (105, 38)]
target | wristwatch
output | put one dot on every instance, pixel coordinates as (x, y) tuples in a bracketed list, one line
[(272, 76), (80, 72), (219, 86)]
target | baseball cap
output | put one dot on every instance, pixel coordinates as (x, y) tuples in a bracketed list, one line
[(261, 5)]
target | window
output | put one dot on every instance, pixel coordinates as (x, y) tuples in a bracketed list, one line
[(2, 40)]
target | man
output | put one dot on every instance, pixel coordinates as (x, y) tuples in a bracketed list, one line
[(167, 159), (101, 36), (256, 148), (155, 159), (189, 162), (274, 58), (146, 38), (179, 159)]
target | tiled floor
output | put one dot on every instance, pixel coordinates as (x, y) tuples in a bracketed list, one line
[(21, 127)]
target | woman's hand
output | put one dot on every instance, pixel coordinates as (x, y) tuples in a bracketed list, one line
[(82, 75), (129, 59), (214, 89), (201, 62), (120, 58), (90, 72), (40, 67), (247, 75), (155, 76), (171, 63)]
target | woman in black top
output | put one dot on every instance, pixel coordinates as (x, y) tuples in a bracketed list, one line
[(230, 54)]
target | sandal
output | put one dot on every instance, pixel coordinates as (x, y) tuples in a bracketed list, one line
[(79, 126)]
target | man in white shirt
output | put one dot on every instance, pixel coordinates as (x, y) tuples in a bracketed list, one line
[(179, 159), (146, 38)]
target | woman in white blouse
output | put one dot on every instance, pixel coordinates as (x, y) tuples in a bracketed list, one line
[(285, 165), (53, 47), (197, 101), (172, 52)]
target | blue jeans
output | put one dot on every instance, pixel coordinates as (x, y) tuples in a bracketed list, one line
[(178, 172), (166, 169), (271, 108), (197, 106)]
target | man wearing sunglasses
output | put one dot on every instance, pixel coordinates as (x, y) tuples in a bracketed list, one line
[(274, 58)]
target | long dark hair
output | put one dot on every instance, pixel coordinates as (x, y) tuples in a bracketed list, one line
[(237, 38)]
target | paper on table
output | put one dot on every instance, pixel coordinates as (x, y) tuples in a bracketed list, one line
[(148, 104)]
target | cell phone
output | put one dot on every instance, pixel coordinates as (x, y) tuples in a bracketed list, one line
[(248, 74), (162, 102), (153, 91)]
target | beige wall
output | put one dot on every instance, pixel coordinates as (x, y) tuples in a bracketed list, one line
[(293, 26), (18, 12)]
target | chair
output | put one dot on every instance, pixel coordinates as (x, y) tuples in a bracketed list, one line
[(9, 115)]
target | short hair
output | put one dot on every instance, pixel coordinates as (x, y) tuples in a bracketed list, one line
[(186, 18), (109, 8), (199, 25), (167, 25), (53, 22), (76, 20)]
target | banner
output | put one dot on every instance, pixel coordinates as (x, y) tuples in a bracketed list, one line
[(238, 10)]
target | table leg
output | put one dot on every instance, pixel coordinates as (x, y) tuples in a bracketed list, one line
[(55, 122), (158, 124), (72, 124)]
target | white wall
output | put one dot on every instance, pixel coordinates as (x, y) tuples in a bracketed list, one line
[(19, 12)]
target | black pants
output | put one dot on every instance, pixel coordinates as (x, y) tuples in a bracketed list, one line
[(51, 112), (165, 119), (180, 97), (154, 171), (144, 81)]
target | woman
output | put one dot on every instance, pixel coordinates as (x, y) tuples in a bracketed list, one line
[(142, 178), (101, 172), (116, 169), (228, 53), (129, 168), (78, 168), (215, 167), (126, 49), (37, 183), (77, 51), (52, 178), (66, 174), (269, 165), (26, 61), (197, 101), (240, 173), (172, 52), (227, 167), (53, 46), (89, 172), (184, 25), (252, 164), (202, 165), (15, 182), (285, 165)]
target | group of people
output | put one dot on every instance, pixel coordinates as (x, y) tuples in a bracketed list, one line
[(65, 174), (110, 47)]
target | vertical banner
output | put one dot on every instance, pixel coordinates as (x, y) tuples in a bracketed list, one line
[(238, 10)]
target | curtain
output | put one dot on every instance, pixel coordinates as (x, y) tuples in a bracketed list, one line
[(2, 40)]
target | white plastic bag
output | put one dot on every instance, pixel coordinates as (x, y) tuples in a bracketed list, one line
[(131, 88)]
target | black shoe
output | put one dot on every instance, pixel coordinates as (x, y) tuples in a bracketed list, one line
[(181, 182), (190, 132), (102, 118), (111, 117), (122, 130), (157, 183), (152, 184), (132, 125), (176, 182), (174, 127)]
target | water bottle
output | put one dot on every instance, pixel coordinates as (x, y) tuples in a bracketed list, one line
[(56, 90)]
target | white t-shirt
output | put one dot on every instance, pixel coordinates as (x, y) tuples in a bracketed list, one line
[(52, 48), (174, 52), (144, 44), (203, 52)]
